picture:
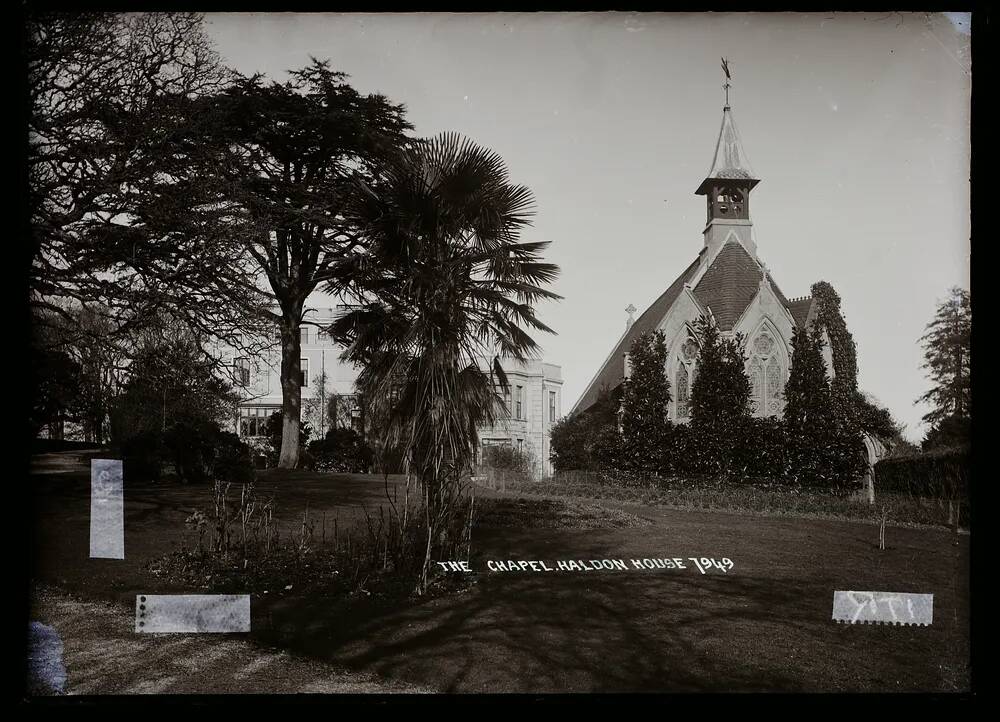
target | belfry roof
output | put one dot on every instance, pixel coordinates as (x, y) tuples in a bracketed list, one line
[(730, 160)]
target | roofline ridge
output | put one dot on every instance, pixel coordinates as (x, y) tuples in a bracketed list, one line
[(636, 324)]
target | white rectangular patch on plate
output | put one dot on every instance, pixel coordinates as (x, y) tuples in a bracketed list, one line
[(192, 613), (107, 510), (883, 608)]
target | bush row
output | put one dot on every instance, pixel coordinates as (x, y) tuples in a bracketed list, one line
[(197, 452), (941, 474), (758, 449), (341, 450)]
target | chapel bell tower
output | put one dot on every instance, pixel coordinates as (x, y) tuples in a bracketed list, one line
[(727, 187)]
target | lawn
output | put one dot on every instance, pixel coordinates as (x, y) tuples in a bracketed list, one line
[(764, 625)]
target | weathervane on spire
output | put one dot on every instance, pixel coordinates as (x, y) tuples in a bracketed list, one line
[(725, 69)]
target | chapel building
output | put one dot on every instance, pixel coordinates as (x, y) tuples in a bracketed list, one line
[(728, 282)]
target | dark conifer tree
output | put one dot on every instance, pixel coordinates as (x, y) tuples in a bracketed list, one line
[(720, 397), (807, 392), (645, 398), (947, 357)]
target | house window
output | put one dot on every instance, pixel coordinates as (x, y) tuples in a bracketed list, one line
[(552, 406), (304, 335), (506, 401), (520, 446), (519, 401), (304, 372), (242, 368), (253, 420), (766, 373)]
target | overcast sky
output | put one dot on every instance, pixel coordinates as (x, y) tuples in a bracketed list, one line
[(857, 126)]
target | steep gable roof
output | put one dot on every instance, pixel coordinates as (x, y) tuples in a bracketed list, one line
[(613, 370), (731, 283), (728, 286)]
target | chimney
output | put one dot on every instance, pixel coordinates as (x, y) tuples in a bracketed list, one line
[(630, 310)]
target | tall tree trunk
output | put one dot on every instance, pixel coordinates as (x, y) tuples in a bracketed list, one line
[(291, 390)]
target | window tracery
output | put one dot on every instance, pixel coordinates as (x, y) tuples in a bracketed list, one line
[(767, 375), (684, 377)]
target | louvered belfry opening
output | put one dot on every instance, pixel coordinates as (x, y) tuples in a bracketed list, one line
[(728, 200)]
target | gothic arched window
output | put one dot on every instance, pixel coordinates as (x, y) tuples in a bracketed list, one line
[(766, 373), (683, 378), (683, 391)]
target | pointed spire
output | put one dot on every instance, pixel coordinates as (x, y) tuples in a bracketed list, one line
[(730, 160)]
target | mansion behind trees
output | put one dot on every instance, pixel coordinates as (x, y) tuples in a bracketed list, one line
[(258, 379), (534, 399), (728, 282)]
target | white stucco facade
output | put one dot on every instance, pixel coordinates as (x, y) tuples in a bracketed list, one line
[(534, 405)]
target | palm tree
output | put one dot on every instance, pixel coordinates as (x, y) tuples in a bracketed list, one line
[(444, 289)]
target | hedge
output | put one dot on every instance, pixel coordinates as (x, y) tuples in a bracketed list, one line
[(942, 474)]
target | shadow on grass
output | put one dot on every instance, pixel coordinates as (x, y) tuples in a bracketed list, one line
[(764, 626), (620, 632)]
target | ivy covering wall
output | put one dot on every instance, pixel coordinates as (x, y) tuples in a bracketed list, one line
[(858, 412), (842, 346)]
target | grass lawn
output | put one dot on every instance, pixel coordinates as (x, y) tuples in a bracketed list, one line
[(902, 510), (765, 625)]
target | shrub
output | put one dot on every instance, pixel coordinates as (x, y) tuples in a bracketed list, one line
[(238, 547), (388, 460), (232, 459), (761, 451), (143, 456), (950, 432), (261, 452), (506, 457), (574, 437), (681, 454), (608, 451), (503, 464), (571, 443), (942, 474), (190, 448), (202, 451), (342, 450)]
